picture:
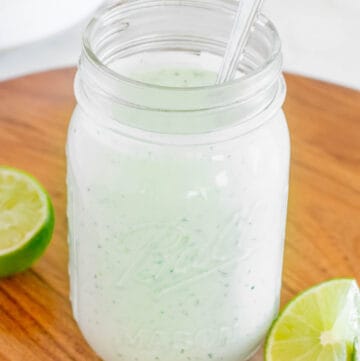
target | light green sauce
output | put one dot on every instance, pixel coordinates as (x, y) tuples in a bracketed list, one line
[(178, 78)]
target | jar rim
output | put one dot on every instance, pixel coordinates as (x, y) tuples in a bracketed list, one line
[(181, 115), (228, 5)]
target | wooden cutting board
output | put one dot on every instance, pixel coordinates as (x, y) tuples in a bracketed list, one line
[(323, 234)]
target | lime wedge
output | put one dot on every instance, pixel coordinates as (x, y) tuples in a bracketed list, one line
[(26, 220), (356, 354), (318, 325)]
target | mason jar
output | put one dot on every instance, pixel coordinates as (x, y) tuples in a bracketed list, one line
[(177, 187)]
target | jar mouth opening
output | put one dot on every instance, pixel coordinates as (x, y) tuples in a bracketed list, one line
[(265, 67), (132, 38)]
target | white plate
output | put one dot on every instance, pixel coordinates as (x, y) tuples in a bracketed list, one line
[(25, 21)]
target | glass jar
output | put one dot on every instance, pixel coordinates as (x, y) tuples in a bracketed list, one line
[(177, 195)]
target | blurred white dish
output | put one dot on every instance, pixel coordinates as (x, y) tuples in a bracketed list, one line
[(320, 37), (25, 21)]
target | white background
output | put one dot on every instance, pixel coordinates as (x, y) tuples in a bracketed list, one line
[(321, 38)]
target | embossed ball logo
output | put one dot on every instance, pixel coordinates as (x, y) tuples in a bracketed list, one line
[(164, 257)]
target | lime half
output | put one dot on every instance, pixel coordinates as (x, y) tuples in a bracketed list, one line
[(318, 325), (26, 220)]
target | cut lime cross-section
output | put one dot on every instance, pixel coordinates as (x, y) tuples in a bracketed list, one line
[(26, 220), (318, 325)]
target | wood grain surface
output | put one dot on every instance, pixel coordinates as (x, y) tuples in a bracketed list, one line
[(323, 234)]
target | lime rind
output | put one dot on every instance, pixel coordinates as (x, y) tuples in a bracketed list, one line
[(319, 324), (356, 350)]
